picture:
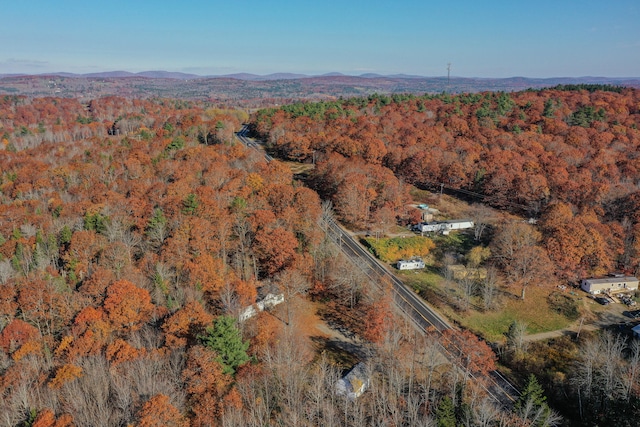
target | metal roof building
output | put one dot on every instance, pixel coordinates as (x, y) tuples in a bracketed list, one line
[(610, 284)]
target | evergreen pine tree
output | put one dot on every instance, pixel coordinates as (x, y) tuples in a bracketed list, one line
[(190, 204), (446, 413), (532, 406), (462, 410), (225, 339)]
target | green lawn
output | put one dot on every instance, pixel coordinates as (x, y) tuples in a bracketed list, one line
[(421, 280), (535, 311)]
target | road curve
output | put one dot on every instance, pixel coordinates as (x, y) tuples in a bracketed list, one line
[(251, 143)]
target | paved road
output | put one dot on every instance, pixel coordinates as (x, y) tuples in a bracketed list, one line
[(424, 316), (252, 143)]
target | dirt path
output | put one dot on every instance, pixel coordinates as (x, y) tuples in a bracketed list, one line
[(612, 315), (325, 335), (573, 331)]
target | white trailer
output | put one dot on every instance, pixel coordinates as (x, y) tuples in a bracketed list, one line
[(412, 264), (443, 226), (611, 284)]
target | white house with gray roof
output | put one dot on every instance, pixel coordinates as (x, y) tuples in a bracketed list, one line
[(611, 284)]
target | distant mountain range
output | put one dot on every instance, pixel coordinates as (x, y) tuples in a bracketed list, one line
[(257, 90), (187, 76), (292, 76)]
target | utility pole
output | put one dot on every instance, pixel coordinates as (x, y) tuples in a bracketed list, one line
[(580, 327)]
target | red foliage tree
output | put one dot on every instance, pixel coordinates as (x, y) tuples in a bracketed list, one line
[(17, 333), (470, 352)]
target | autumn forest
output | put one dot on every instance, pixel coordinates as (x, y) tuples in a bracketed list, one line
[(135, 232)]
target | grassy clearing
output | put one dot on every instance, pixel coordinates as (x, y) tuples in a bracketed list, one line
[(535, 311), (459, 242), (421, 281), (423, 196), (540, 312), (449, 207)]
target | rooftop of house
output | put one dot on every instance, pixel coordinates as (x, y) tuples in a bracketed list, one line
[(355, 382), (606, 280)]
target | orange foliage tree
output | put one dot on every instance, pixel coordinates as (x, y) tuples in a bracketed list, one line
[(127, 306), (206, 273), (206, 385), (120, 351), (276, 249), (159, 412), (184, 326), (92, 331), (376, 318), (64, 374), (47, 418)]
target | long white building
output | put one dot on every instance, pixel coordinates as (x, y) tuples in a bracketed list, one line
[(443, 226), (609, 285)]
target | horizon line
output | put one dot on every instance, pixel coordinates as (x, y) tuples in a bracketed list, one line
[(293, 75)]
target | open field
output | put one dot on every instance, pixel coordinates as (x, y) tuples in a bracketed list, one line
[(534, 311)]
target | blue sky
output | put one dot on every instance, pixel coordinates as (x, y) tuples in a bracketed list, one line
[(543, 38)]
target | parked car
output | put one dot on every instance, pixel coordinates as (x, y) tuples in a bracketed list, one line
[(632, 314), (603, 300), (627, 300)]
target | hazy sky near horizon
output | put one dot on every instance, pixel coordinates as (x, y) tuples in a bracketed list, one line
[(496, 38)]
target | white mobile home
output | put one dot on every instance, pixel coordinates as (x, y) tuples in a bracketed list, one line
[(412, 264), (269, 301), (443, 226), (611, 284)]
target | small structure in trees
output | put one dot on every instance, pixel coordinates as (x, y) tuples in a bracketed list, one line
[(426, 213), (355, 383), (412, 264), (612, 284)]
